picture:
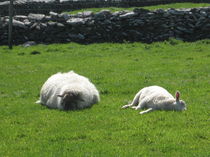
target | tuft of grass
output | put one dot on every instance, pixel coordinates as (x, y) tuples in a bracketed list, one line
[(118, 71), (154, 7)]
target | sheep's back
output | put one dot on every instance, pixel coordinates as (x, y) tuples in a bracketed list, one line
[(155, 97), (50, 87)]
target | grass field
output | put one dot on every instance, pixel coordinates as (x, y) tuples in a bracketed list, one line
[(118, 71), (164, 6)]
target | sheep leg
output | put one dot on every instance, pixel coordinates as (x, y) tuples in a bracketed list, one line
[(128, 105), (146, 111), (134, 102), (141, 105), (38, 102), (134, 107)]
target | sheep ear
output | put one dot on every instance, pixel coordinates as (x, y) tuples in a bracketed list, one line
[(68, 94), (58, 95), (177, 95), (63, 96)]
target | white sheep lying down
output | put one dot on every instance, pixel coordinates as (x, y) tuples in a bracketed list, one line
[(68, 91), (156, 98)]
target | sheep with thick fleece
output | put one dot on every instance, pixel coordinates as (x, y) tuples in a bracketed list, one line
[(68, 91), (156, 98)]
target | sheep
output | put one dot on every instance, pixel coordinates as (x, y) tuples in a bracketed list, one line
[(156, 98), (68, 91)]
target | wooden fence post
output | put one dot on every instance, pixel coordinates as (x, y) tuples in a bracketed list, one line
[(10, 24)]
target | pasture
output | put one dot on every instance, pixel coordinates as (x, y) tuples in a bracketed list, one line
[(118, 71), (154, 7)]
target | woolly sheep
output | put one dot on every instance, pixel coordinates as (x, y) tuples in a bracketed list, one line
[(68, 91), (156, 98)]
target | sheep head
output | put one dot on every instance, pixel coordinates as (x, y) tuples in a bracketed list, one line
[(70, 100), (181, 105)]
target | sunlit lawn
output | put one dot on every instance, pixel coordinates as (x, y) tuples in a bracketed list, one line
[(118, 71)]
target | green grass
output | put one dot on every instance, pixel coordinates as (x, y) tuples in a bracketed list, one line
[(106, 130), (164, 6)]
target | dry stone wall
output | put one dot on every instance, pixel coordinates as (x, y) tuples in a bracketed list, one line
[(88, 27)]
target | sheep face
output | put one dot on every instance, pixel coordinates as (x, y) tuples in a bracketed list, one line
[(180, 105), (70, 100)]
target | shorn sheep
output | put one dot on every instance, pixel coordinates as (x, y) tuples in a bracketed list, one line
[(68, 91), (156, 98)]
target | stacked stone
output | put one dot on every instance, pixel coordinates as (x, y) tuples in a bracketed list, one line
[(88, 27)]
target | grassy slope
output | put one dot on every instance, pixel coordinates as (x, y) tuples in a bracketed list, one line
[(119, 71), (164, 6)]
